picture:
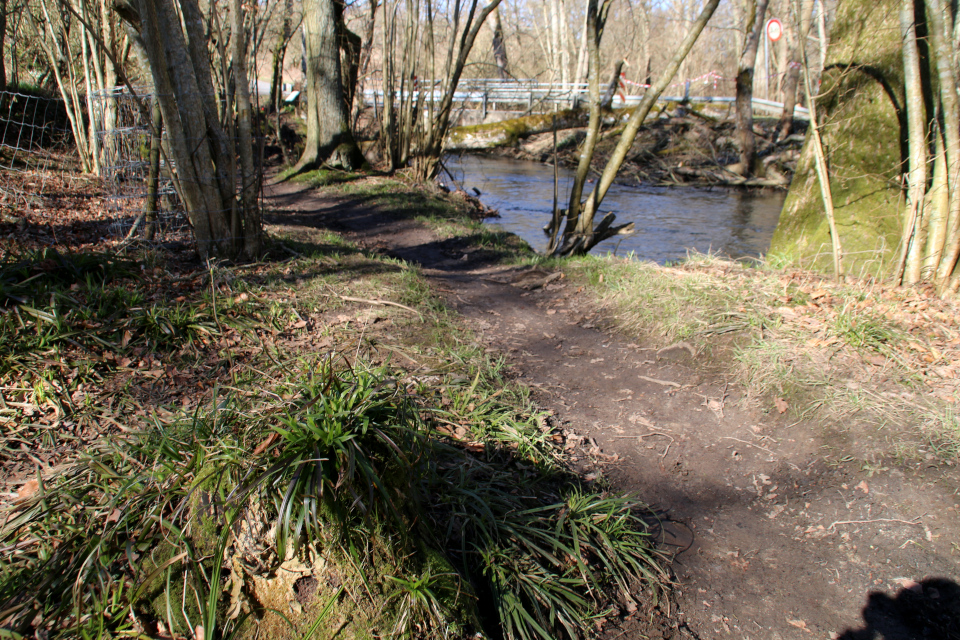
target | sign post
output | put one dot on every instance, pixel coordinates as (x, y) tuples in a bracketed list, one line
[(774, 31)]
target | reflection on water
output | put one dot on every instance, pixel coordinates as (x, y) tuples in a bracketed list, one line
[(669, 220)]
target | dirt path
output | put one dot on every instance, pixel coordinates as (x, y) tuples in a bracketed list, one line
[(780, 533)]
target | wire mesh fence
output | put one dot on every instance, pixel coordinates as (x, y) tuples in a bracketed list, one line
[(122, 124), (35, 141)]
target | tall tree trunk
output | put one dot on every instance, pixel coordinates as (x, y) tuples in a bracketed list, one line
[(596, 16), (607, 101), (939, 15), (797, 36), (916, 177), (433, 141), (153, 177), (250, 227), (350, 47), (179, 92), (329, 138), (753, 28), (3, 40), (499, 47)]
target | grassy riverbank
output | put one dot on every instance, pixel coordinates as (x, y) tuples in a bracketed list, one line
[(311, 443), (863, 353), (316, 441)]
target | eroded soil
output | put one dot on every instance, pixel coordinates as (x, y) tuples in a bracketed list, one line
[(781, 530)]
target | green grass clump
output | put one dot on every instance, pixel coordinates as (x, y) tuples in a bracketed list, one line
[(440, 530)]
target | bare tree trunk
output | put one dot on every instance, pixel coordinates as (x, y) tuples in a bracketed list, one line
[(350, 46), (366, 49), (3, 38), (607, 101), (186, 122), (823, 174), (797, 35), (596, 17), (939, 15), (916, 178), (329, 138), (153, 177), (433, 142), (499, 47), (756, 10), (249, 183)]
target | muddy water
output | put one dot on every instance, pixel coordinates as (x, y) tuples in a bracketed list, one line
[(669, 220)]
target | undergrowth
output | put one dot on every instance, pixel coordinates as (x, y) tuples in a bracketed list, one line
[(157, 529)]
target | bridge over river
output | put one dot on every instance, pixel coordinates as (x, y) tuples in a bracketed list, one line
[(507, 97)]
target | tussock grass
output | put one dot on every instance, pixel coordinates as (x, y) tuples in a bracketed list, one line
[(138, 531), (422, 504), (885, 355)]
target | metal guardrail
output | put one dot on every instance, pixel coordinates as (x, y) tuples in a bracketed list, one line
[(490, 94)]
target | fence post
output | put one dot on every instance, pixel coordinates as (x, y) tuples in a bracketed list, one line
[(483, 111)]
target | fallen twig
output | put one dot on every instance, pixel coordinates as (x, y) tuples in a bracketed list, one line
[(749, 444), (666, 383), (917, 523)]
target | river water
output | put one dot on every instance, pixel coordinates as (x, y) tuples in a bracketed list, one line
[(669, 220)]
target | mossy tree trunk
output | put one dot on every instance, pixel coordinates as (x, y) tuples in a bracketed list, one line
[(863, 130), (890, 110)]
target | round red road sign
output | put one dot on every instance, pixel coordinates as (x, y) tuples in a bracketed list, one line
[(774, 29)]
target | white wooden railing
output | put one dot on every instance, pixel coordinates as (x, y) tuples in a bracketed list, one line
[(498, 95)]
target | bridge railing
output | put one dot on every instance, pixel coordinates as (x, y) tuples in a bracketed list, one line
[(494, 95)]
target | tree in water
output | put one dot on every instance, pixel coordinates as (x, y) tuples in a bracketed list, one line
[(579, 233), (329, 136)]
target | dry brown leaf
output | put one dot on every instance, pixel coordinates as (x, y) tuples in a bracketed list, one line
[(799, 624), (27, 490), (863, 487), (266, 443), (127, 336), (114, 515), (910, 585), (781, 405)]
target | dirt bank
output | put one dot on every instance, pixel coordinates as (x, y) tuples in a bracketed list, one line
[(784, 526), (676, 148)]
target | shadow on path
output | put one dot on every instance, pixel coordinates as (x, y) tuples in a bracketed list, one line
[(928, 610)]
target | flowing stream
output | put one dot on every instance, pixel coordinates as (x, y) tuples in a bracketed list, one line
[(669, 220)]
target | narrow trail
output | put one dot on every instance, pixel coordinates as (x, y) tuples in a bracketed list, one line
[(778, 536)]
